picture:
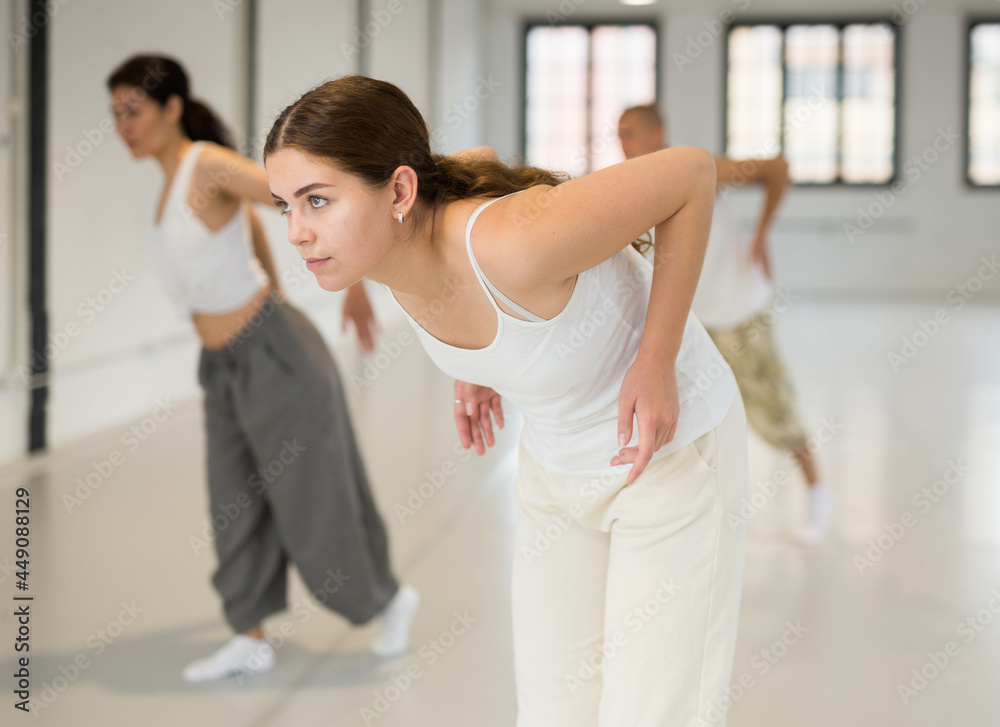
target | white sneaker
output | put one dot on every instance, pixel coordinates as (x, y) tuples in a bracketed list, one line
[(819, 515), (396, 620), (242, 655)]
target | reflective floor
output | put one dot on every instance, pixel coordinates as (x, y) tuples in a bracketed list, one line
[(891, 622)]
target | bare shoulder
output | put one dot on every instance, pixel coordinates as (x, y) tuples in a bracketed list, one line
[(233, 174), (509, 235), (510, 218), (503, 220), (502, 236), (215, 158)]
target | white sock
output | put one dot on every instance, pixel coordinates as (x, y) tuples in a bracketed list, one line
[(396, 620), (241, 655), (818, 514)]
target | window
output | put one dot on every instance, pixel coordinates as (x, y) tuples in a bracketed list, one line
[(822, 94), (984, 105), (578, 80)]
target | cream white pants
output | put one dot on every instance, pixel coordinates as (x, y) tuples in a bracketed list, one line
[(626, 598)]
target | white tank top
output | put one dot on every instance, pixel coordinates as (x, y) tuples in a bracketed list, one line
[(204, 271), (565, 373), (732, 290)]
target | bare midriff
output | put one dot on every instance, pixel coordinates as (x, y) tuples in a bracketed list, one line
[(216, 330)]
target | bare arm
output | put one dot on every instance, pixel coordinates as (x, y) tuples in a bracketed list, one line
[(546, 235), (236, 175), (358, 310), (262, 249), (773, 173), (649, 392)]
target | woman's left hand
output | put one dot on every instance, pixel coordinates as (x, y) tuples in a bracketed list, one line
[(649, 396), (473, 405)]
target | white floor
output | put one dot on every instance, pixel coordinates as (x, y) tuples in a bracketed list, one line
[(123, 599)]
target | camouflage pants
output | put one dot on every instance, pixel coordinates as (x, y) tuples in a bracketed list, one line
[(767, 391)]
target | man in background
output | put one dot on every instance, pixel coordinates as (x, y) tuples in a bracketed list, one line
[(733, 302)]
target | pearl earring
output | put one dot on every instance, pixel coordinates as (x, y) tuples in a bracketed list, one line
[(400, 217)]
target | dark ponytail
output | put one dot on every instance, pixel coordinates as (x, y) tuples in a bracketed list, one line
[(161, 77), (452, 179), (201, 124), (369, 128)]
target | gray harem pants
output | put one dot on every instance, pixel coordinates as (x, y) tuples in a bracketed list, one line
[(285, 478)]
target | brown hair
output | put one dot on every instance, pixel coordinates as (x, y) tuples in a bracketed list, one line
[(369, 128)]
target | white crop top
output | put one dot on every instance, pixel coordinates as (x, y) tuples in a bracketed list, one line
[(565, 373), (204, 271)]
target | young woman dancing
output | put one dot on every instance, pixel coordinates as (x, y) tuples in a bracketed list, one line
[(626, 577), (284, 473)]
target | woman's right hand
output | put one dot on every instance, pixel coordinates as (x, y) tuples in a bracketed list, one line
[(473, 405)]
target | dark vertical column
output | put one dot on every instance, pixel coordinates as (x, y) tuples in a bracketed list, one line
[(38, 87), (840, 86), (250, 95), (364, 55)]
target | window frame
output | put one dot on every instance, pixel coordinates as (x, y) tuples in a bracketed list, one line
[(589, 23), (840, 23), (971, 22)]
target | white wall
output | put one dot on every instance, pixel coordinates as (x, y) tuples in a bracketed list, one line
[(458, 119), (928, 241), (400, 51)]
